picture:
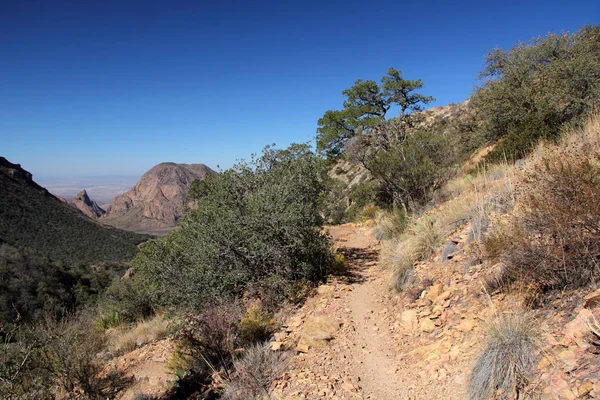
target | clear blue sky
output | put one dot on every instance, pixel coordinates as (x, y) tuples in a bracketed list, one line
[(115, 87)]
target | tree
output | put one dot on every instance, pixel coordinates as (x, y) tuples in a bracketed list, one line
[(532, 90), (364, 114), (410, 170)]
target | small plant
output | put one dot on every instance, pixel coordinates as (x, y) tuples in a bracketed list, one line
[(254, 373), (256, 325), (112, 319), (507, 361), (339, 264)]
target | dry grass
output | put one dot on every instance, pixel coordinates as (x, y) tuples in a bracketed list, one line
[(552, 237), (478, 200), (507, 361), (125, 340), (254, 373)]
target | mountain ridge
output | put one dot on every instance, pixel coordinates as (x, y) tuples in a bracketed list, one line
[(156, 202)]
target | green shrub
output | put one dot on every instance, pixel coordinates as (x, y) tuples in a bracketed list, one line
[(507, 361), (411, 170), (125, 300), (531, 91), (256, 221)]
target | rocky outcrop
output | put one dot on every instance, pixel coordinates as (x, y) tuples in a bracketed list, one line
[(87, 206), (157, 201)]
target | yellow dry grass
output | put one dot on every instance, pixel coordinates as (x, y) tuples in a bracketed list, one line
[(126, 339)]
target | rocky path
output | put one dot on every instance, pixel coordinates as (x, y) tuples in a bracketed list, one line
[(345, 334)]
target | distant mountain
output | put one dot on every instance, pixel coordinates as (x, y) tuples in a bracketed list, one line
[(157, 201), (87, 206), (34, 220)]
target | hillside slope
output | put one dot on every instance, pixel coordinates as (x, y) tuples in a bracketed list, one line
[(157, 201), (31, 218)]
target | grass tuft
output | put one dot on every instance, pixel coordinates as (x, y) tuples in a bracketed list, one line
[(254, 373), (507, 361)]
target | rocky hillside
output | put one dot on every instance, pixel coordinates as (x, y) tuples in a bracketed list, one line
[(34, 220), (86, 205), (157, 201)]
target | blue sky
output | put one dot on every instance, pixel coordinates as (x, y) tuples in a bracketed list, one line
[(115, 87)]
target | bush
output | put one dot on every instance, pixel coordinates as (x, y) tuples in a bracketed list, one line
[(256, 325), (254, 373), (531, 91), (553, 236), (507, 361), (125, 300), (411, 170), (207, 341), (256, 221)]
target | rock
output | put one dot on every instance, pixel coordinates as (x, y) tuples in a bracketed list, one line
[(157, 201), (592, 300), (90, 208), (578, 329), (443, 297), (585, 389), (434, 291), (276, 346), (466, 325), (409, 319), (302, 347), (448, 250), (317, 330), (544, 362), (427, 325)]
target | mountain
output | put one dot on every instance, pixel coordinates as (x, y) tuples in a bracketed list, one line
[(34, 220), (155, 204), (87, 206)]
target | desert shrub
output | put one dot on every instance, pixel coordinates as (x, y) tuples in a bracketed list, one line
[(207, 341), (125, 300), (553, 236), (532, 90), (71, 353), (392, 224), (22, 375), (31, 285), (257, 220), (507, 361), (411, 170), (254, 373), (56, 355), (256, 325)]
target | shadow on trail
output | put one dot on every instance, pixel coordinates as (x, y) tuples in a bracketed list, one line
[(356, 260)]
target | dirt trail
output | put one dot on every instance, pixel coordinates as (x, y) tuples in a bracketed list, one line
[(362, 361)]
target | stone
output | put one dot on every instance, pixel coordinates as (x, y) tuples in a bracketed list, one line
[(409, 319), (427, 325), (434, 291), (466, 325), (592, 300), (276, 346), (448, 250), (302, 347), (578, 329)]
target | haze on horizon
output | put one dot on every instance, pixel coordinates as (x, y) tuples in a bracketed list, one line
[(114, 88)]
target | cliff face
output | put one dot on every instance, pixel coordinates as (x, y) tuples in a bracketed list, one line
[(156, 202), (87, 206)]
